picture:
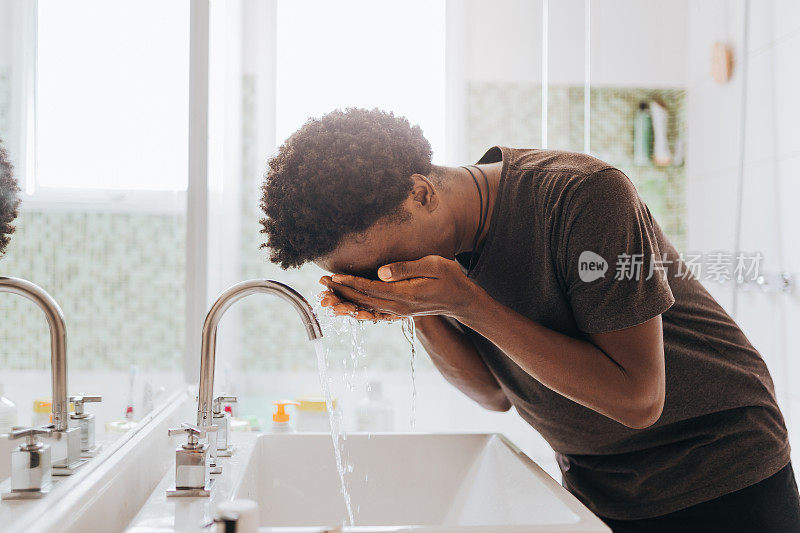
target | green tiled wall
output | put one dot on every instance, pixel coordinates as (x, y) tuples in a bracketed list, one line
[(119, 279)]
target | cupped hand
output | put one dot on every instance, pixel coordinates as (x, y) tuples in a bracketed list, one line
[(342, 307), (432, 285)]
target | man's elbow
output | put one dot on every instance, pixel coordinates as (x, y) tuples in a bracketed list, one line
[(644, 412)]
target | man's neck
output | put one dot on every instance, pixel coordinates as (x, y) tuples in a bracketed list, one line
[(466, 203)]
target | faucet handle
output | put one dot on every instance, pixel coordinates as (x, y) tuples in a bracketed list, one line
[(85, 398), (219, 400), (32, 432), (192, 430), (79, 399)]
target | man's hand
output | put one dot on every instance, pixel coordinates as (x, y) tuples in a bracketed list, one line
[(432, 285), (342, 307)]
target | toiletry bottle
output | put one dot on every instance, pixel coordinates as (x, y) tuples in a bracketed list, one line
[(659, 115), (312, 414), (642, 135), (280, 419), (42, 411), (132, 375), (374, 413), (8, 412)]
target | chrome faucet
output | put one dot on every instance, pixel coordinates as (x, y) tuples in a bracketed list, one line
[(187, 481), (58, 342), (65, 442)]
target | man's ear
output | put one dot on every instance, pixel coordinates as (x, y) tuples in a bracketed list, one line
[(423, 193)]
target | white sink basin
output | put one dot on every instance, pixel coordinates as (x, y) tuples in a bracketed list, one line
[(435, 482)]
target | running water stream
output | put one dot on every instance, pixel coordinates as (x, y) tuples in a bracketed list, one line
[(350, 333), (410, 334), (335, 421)]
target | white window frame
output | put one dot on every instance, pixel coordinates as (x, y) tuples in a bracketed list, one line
[(24, 143)]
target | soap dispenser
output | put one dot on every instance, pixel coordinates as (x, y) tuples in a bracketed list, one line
[(86, 422), (280, 419)]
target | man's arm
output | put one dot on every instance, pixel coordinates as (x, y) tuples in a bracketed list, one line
[(459, 362), (619, 374)]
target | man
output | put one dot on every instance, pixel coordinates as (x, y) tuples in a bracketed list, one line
[(9, 199), (662, 415)]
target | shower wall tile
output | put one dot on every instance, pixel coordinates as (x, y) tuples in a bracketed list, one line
[(510, 114)]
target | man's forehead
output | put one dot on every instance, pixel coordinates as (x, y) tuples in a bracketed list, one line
[(339, 265)]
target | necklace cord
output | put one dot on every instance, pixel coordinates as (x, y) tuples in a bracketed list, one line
[(481, 217), (486, 181)]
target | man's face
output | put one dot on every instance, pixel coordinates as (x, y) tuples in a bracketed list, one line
[(416, 236)]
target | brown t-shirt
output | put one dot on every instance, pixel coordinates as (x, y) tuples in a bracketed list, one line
[(720, 430)]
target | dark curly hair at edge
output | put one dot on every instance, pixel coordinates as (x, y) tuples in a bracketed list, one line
[(9, 199), (338, 175)]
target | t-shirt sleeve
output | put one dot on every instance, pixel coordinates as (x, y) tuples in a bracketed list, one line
[(610, 259)]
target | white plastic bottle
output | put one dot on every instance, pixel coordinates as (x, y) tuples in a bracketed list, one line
[(280, 419), (8, 412), (374, 413)]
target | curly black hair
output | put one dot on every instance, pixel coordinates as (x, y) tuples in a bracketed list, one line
[(335, 176), (9, 199)]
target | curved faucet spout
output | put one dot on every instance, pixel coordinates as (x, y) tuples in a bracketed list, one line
[(58, 342), (223, 303)]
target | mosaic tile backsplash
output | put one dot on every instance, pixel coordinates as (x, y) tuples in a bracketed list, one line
[(120, 277)]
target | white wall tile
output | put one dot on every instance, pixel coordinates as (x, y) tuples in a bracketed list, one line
[(787, 17), (760, 24), (712, 127), (761, 116), (789, 181), (787, 95), (710, 207), (760, 219)]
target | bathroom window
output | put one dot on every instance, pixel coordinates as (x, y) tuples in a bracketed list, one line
[(363, 53), (94, 141)]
